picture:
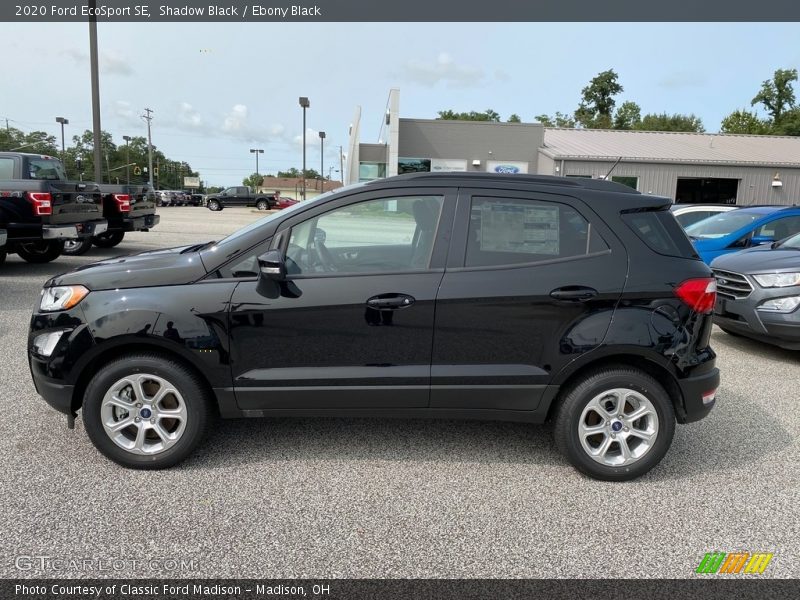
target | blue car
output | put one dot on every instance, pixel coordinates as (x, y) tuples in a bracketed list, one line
[(743, 228)]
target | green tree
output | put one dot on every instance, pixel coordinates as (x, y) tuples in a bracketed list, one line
[(254, 181), (790, 122), (558, 120), (777, 94), (597, 101), (35, 142), (514, 118), (744, 121), (628, 115), (487, 115), (667, 122), (293, 172)]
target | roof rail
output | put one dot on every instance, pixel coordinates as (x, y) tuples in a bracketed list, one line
[(580, 182)]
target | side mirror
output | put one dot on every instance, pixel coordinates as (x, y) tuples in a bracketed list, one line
[(272, 265)]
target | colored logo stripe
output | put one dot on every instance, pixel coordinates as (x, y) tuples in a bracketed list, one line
[(734, 563)]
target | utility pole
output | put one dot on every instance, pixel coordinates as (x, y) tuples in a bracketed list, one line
[(341, 164), (149, 117), (93, 61), (127, 139)]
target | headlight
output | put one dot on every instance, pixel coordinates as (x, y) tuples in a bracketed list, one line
[(771, 280), (783, 305), (61, 297)]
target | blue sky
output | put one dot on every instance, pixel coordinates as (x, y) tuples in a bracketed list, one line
[(218, 89)]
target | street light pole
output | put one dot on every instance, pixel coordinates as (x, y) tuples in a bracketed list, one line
[(63, 122), (304, 102), (257, 151), (127, 139), (322, 162), (95, 77)]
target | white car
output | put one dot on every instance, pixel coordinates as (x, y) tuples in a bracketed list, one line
[(689, 214)]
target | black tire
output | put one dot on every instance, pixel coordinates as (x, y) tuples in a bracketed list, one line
[(576, 399), (77, 247), (109, 239), (262, 204), (41, 251), (214, 205), (2, 256), (191, 388)]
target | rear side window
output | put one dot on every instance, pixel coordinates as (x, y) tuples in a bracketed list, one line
[(506, 231), (661, 232), (6, 168)]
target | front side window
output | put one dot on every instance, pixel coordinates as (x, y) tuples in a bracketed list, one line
[(376, 236), (230, 191), (511, 231)]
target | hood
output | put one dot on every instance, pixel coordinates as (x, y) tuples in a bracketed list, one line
[(761, 259), (171, 266)]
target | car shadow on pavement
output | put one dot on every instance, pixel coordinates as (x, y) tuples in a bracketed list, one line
[(763, 349), (244, 441)]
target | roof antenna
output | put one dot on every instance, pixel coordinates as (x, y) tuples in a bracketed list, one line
[(614, 166)]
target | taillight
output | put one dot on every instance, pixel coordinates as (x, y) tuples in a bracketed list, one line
[(123, 202), (698, 294), (42, 203)]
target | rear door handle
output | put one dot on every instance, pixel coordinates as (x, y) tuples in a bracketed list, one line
[(390, 301), (574, 293)]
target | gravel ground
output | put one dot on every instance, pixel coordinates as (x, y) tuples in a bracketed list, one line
[(381, 498)]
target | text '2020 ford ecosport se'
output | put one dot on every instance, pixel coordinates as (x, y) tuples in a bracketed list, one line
[(507, 297)]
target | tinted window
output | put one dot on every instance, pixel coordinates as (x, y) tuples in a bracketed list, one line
[(376, 236), (661, 232), (6, 168), (779, 229), (690, 218), (46, 168), (511, 231), (722, 224)]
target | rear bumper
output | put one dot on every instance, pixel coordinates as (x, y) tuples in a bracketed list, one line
[(74, 230), (142, 223), (696, 391)]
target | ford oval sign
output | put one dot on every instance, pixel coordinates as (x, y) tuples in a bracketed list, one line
[(506, 169)]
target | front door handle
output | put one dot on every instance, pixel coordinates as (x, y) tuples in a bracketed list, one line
[(574, 293), (390, 301)]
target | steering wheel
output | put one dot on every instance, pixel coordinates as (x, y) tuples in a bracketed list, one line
[(325, 257), (297, 255)]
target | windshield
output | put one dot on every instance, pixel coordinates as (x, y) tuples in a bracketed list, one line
[(46, 168), (793, 243), (721, 224)]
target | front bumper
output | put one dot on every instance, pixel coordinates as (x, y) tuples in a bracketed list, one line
[(740, 315), (696, 392), (56, 393), (142, 223)]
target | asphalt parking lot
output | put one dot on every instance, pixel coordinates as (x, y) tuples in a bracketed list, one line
[(364, 498)]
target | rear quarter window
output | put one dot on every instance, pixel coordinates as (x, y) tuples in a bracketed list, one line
[(6, 168), (659, 230)]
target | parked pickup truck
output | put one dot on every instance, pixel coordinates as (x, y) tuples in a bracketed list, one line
[(40, 207), (239, 196), (126, 208)]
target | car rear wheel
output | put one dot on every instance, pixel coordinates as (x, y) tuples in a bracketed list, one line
[(77, 247), (616, 424), (146, 412), (262, 205), (214, 205), (41, 251), (109, 239)]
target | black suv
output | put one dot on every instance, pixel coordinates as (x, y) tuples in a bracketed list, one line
[(481, 296)]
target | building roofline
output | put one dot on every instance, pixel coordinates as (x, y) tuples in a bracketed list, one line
[(495, 123), (695, 133), (666, 161)]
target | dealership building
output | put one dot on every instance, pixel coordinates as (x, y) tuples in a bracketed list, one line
[(688, 167)]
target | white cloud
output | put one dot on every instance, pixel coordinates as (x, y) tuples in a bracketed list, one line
[(443, 70), (110, 63), (125, 112), (235, 121), (312, 139), (189, 117)]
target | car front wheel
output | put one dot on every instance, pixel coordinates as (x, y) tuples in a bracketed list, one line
[(146, 412), (262, 205), (214, 205), (616, 424)]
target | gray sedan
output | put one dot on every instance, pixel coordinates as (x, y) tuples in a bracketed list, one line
[(758, 293)]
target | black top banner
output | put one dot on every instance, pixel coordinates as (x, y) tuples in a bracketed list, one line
[(400, 11)]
